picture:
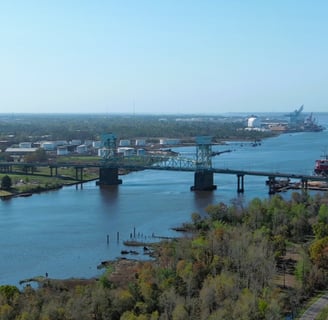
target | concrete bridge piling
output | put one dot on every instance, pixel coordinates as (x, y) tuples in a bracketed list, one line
[(108, 177), (240, 183), (203, 181)]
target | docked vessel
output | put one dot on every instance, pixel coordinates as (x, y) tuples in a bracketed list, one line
[(299, 123), (321, 166)]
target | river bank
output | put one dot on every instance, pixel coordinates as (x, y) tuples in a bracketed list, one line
[(27, 185)]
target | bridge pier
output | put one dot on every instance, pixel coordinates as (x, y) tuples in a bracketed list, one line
[(6, 168), (79, 170), (240, 183), (28, 168), (108, 177), (304, 184), (272, 185), (51, 171), (203, 181)]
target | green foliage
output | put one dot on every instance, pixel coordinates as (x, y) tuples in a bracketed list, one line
[(6, 312), (6, 183), (319, 252), (104, 279), (180, 312), (68, 127), (323, 213), (8, 292), (39, 155), (323, 314), (320, 230)]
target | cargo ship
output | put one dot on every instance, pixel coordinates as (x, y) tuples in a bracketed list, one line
[(321, 166)]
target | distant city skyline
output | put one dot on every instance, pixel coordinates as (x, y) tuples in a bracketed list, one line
[(163, 57)]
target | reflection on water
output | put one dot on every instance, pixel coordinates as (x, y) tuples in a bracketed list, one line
[(109, 195), (202, 199)]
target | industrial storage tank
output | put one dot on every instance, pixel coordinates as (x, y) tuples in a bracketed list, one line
[(125, 143), (141, 152), (253, 122), (126, 151), (140, 142), (48, 145)]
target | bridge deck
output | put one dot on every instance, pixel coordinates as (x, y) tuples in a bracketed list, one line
[(166, 163)]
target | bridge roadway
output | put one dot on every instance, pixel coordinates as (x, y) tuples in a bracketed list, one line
[(163, 163)]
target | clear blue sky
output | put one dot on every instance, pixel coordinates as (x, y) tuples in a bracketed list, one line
[(163, 56)]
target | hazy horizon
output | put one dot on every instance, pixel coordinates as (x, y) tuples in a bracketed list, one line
[(163, 57)]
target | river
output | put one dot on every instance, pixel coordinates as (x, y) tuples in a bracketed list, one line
[(64, 232)]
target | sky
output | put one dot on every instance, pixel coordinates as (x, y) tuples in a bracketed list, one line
[(163, 56)]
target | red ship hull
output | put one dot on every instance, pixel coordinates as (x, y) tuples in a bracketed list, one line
[(321, 167)]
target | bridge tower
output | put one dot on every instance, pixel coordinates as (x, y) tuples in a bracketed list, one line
[(108, 173), (203, 178), (109, 142)]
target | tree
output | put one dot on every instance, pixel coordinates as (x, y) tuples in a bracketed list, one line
[(319, 252), (6, 182), (39, 155)]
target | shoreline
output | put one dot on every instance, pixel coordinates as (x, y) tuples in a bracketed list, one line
[(27, 193)]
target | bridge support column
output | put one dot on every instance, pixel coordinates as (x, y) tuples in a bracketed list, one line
[(272, 185), (6, 168), (108, 177), (203, 181), (51, 171), (240, 183), (77, 171), (304, 184)]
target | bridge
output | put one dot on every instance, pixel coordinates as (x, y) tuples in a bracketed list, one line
[(111, 162)]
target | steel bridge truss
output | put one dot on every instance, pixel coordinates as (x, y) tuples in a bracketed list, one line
[(152, 162)]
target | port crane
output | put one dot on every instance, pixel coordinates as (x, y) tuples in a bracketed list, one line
[(296, 117)]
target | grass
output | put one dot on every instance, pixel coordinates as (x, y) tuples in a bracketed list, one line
[(78, 159), (323, 315), (42, 181), (4, 193)]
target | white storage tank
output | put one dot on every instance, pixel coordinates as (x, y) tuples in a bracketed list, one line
[(62, 151), (253, 122), (126, 151), (82, 149), (102, 152), (48, 145), (141, 152), (75, 142), (125, 143), (166, 141), (25, 145), (96, 144), (61, 143), (140, 142)]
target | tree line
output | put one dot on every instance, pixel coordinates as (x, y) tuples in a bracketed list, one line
[(33, 128)]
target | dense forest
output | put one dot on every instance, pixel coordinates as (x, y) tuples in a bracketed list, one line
[(33, 128), (259, 261)]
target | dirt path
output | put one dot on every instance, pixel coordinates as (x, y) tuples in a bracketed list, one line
[(312, 312)]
